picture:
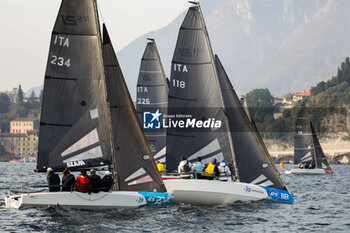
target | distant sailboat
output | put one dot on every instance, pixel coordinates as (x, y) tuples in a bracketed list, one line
[(152, 96), (201, 93), (307, 149), (79, 129)]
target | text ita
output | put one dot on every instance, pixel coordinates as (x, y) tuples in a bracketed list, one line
[(61, 41), (180, 68)]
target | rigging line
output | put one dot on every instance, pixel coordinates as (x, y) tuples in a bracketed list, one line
[(100, 12), (88, 199)]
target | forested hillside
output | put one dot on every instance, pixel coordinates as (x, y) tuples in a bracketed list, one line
[(328, 107)]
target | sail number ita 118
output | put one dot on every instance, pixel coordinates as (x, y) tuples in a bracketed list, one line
[(178, 83)]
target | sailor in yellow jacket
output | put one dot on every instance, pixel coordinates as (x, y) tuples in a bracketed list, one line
[(212, 169), (161, 167)]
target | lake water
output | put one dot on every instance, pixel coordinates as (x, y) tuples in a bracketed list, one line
[(322, 204)]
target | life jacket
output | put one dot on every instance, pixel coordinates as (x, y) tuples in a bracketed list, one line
[(198, 167), (82, 184), (224, 172), (161, 168), (210, 169)]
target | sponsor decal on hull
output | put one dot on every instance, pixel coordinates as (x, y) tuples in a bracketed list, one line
[(158, 199), (328, 171), (279, 195)]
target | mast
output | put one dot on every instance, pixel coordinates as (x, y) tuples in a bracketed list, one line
[(234, 162)]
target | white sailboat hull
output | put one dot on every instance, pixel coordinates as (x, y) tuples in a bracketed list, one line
[(101, 200), (315, 171), (213, 192)]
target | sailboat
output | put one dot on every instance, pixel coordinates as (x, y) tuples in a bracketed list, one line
[(152, 96), (307, 149), (201, 94), (86, 114)]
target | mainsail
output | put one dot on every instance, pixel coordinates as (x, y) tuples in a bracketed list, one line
[(303, 139), (136, 169), (194, 93), (152, 96), (253, 160), (74, 125)]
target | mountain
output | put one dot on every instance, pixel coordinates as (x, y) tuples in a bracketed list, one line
[(283, 45), (36, 90)]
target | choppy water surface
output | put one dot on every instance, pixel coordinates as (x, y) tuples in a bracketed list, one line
[(322, 204)]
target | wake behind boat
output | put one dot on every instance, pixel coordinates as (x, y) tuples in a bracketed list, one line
[(307, 149), (86, 113)]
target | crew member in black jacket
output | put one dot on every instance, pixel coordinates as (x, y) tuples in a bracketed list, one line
[(53, 180), (68, 180)]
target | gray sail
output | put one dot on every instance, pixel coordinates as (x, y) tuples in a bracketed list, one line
[(321, 160), (253, 160), (135, 166), (303, 139), (74, 131), (194, 92), (152, 95)]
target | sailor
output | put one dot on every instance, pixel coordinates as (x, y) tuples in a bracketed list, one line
[(198, 166), (95, 181), (161, 167), (82, 182), (53, 180), (224, 171), (184, 168), (212, 170), (68, 180), (312, 165), (107, 181)]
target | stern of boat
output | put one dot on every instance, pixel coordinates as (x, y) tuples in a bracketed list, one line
[(13, 202), (328, 171)]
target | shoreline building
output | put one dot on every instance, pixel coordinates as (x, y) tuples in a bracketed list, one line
[(21, 125), (21, 144)]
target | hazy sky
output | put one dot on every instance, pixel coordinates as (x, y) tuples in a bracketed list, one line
[(26, 27)]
